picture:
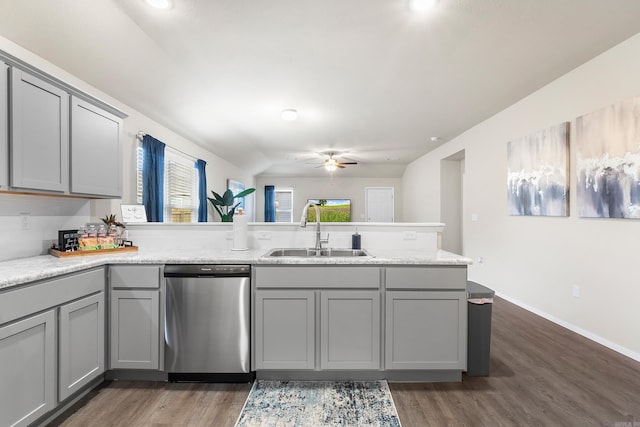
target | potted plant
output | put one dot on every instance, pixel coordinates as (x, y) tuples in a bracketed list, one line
[(224, 204), (120, 228), (112, 219)]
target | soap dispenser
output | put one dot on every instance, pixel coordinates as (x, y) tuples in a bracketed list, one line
[(356, 242)]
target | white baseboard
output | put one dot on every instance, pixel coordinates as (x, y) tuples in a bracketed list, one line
[(593, 337)]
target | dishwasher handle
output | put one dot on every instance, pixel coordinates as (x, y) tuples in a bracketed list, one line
[(207, 270)]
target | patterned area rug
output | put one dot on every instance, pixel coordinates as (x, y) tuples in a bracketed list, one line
[(319, 403)]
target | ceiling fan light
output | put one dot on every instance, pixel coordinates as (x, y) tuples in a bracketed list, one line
[(289, 114), (330, 167)]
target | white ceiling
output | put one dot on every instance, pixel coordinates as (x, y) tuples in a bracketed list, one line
[(370, 78)]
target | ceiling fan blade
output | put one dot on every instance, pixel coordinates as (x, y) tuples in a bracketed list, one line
[(339, 165), (347, 163)]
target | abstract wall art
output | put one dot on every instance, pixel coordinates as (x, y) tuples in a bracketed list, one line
[(608, 161), (537, 175)]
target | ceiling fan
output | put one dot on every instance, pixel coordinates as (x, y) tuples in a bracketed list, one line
[(332, 164)]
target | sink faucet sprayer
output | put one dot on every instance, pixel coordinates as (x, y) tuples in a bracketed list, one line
[(303, 223)]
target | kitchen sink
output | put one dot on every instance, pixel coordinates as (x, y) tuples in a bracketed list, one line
[(309, 252)]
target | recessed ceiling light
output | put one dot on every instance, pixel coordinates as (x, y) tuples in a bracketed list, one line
[(160, 4), (421, 4), (289, 114)]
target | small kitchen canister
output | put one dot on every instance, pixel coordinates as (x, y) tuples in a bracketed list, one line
[(356, 242)]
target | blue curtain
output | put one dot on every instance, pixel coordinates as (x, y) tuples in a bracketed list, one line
[(269, 203), (153, 178), (202, 190)]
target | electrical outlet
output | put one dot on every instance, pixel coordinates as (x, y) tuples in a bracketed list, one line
[(25, 221), (481, 260), (410, 235), (229, 235), (576, 291), (264, 235)]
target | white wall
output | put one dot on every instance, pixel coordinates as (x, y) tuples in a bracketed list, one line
[(70, 213), (533, 260), (328, 188)]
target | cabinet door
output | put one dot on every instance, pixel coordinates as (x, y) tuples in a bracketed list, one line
[(350, 330), (285, 330), (134, 329), (4, 126), (39, 134), (81, 343), (426, 330), (95, 150), (27, 369)]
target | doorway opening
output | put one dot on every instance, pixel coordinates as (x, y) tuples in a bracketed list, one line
[(451, 202)]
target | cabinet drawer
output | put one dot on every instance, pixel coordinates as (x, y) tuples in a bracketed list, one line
[(329, 276), (40, 296), (431, 277), (135, 276)]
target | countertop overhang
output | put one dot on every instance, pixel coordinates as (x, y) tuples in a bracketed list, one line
[(25, 270)]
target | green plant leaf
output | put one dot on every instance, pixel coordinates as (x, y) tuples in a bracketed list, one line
[(245, 192), (217, 196), (227, 198), (214, 202)]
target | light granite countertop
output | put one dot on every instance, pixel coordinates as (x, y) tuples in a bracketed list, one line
[(25, 270)]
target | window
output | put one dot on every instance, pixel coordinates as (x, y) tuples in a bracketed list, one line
[(284, 205), (180, 186)]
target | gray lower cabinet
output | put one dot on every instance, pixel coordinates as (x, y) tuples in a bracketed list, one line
[(426, 330), (27, 369), (134, 339), (317, 317), (39, 141), (350, 329), (426, 318), (95, 150), (81, 338), (4, 126), (285, 329), (135, 334)]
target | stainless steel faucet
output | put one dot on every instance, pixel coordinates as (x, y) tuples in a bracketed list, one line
[(303, 223)]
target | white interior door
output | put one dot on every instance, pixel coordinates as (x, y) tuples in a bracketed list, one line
[(379, 201)]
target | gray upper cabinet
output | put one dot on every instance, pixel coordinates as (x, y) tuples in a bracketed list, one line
[(4, 126), (39, 134), (95, 150)]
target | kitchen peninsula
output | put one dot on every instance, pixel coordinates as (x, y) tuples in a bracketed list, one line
[(399, 314)]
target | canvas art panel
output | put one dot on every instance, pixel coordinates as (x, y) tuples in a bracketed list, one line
[(608, 161), (537, 173)]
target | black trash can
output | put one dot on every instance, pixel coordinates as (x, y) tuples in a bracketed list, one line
[(479, 304)]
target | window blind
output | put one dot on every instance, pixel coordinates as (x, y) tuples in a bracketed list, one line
[(284, 205)]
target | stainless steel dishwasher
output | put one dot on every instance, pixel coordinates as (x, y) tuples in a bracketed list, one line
[(207, 326)]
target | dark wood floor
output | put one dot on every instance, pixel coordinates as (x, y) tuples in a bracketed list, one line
[(541, 375)]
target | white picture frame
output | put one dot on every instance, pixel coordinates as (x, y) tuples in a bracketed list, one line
[(133, 213)]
